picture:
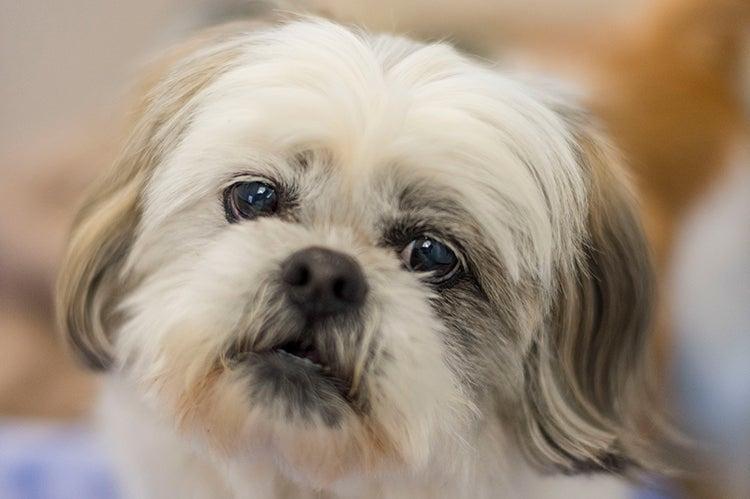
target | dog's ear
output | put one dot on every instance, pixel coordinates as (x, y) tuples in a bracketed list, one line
[(92, 277), (89, 281), (588, 362)]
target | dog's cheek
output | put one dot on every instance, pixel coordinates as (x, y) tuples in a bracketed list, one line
[(415, 397), (192, 305), (486, 342), (216, 409), (181, 320)]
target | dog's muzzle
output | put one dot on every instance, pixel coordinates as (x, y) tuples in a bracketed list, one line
[(325, 291)]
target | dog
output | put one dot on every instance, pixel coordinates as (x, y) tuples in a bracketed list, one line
[(334, 263)]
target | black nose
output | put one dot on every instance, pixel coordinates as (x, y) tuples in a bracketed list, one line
[(323, 282)]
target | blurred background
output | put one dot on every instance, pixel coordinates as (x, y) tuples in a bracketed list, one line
[(670, 79)]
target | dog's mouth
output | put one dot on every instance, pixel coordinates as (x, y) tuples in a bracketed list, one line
[(304, 352), (295, 366)]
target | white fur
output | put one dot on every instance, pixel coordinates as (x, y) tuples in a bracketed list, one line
[(372, 104)]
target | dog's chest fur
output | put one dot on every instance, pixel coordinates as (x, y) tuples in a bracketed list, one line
[(153, 462)]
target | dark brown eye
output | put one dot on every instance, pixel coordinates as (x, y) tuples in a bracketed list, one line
[(249, 200), (425, 254)]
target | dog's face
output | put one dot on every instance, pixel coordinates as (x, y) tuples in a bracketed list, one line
[(353, 252)]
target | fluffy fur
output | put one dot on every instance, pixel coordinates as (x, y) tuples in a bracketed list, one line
[(536, 350)]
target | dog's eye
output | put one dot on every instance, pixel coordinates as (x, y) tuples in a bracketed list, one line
[(425, 254), (248, 200)]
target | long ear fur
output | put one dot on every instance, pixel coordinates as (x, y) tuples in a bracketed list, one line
[(91, 279), (589, 362)]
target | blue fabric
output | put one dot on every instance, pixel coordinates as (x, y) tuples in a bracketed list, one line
[(52, 461), (657, 491)]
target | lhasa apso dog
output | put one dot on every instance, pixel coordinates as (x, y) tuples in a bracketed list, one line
[(333, 263)]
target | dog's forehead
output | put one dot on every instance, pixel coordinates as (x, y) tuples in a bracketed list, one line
[(370, 102), (378, 105), (367, 102)]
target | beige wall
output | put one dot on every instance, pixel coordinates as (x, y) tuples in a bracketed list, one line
[(62, 61)]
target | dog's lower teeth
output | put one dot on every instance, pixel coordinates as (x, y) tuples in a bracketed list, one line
[(303, 359)]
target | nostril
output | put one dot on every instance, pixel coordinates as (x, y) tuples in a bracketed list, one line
[(297, 275), (339, 288), (350, 289), (303, 276)]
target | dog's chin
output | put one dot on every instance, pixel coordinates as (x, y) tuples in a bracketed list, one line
[(297, 382), (306, 417), (296, 402), (306, 420)]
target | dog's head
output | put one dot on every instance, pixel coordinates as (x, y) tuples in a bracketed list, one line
[(356, 252)]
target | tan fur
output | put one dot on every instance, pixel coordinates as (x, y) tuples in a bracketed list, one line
[(668, 90)]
